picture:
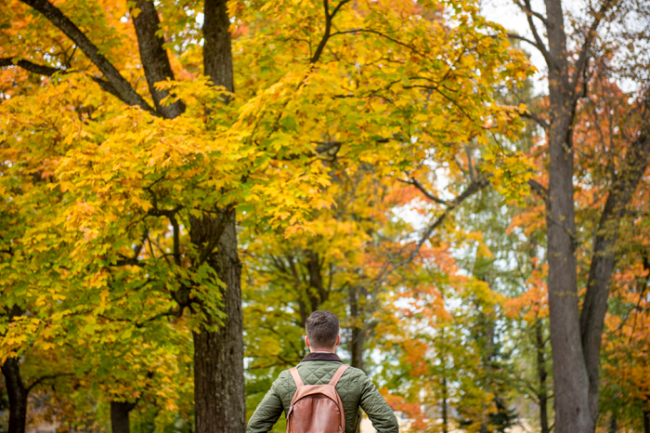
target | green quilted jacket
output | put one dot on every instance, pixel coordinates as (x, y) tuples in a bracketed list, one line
[(355, 389)]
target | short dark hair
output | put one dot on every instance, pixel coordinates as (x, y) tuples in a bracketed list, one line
[(322, 329)]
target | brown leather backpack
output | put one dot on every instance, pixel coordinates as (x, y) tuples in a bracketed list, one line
[(316, 408)]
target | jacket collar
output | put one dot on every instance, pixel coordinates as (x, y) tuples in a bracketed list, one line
[(322, 356)]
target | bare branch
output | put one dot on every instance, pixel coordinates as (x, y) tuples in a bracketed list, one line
[(583, 57), (533, 28), (471, 189), (424, 191)]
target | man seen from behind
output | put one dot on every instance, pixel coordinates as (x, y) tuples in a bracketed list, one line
[(314, 404)]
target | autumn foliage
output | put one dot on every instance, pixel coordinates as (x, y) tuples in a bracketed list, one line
[(183, 183)]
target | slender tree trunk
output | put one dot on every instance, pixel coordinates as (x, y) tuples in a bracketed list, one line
[(613, 424), (542, 375), (358, 331), (120, 412), (445, 415), (646, 415), (17, 396)]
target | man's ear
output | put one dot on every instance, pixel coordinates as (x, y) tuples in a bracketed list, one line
[(307, 341), (338, 340)]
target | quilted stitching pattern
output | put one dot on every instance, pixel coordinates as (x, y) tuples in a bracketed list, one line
[(354, 388)]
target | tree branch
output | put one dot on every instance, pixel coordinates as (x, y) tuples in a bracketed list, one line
[(30, 66), (471, 189), (529, 11), (603, 261), (328, 28), (534, 117), (154, 58), (43, 379), (583, 57), (122, 87), (539, 189), (533, 28), (424, 191)]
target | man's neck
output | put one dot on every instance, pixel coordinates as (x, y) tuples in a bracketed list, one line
[(323, 351)]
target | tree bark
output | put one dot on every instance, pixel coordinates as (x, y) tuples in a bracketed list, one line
[(592, 317), (220, 405), (119, 85), (542, 375), (445, 404), (154, 57), (220, 401), (120, 412), (358, 332), (17, 393), (572, 409)]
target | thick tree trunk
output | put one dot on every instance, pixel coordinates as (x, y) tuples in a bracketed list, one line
[(542, 375), (120, 412), (219, 395), (220, 401), (572, 409), (17, 396)]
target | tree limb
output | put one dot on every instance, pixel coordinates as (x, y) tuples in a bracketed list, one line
[(122, 87), (539, 189), (44, 378), (30, 66), (583, 57), (154, 58), (471, 189), (533, 28), (424, 191), (529, 11), (603, 261), (534, 117), (329, 17)]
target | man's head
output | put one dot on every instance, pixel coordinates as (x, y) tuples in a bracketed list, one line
[(322, 331)]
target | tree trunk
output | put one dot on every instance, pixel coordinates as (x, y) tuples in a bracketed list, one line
[(646, 415), (17, 396), (572, 409), (120, 412), (445, 416), (219, 396), (358, 329), (542, 374), (613, 424)]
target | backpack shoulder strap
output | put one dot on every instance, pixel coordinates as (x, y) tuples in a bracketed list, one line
[(338, 374), (296, 377)]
